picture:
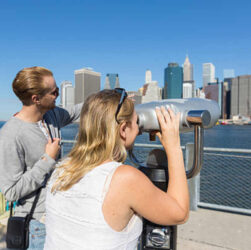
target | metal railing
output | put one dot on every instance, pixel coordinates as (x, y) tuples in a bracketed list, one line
[(224, 180)]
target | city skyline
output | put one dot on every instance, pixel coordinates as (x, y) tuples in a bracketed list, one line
[(123, 37)]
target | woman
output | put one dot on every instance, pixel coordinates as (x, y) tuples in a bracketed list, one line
[(94, 201)]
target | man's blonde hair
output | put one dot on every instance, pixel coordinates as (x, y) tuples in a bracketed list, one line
[(30, 81), (98, 138)]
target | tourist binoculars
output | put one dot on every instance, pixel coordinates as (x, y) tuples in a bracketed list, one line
[(193, 111), (196, 114)]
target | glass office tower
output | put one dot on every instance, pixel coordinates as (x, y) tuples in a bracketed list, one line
[(111, 81), (173, 77)]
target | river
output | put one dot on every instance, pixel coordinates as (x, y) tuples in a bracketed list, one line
[(221, 136)]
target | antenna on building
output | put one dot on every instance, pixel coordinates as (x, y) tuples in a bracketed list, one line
[(89, 68)]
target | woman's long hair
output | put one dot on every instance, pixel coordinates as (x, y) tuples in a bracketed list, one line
[(98, 138)]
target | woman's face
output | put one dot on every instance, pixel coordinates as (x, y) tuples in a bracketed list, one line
[(132, 131)]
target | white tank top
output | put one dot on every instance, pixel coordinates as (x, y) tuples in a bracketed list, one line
[(74, 218)]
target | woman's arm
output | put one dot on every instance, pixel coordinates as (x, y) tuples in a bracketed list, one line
[(138, 193)]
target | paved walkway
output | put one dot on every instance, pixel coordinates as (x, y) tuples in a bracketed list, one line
[(205, 230), (3, 223), (213, 230)]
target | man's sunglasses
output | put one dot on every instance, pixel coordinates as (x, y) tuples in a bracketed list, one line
[(55, 92), (123, 96)]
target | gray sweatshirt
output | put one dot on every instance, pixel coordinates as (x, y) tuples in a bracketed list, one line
[(22, 147)]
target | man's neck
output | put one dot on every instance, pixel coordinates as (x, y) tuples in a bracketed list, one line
[(30, 114)]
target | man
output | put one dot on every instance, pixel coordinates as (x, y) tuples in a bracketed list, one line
[(30, 145)]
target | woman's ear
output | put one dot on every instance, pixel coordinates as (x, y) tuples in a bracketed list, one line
[(122, 130)]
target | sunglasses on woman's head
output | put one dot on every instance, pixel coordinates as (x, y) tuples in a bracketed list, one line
[(123, 96)]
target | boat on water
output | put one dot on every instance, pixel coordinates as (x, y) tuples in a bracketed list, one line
[(225, 122), (235, 121)]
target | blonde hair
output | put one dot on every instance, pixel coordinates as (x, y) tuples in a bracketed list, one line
[(98, 138), (30, 81)]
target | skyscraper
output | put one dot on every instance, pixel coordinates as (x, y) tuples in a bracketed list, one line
[(137, 96), (241, 96), (213, 92), (148, 76), (226, 98), (173, 77), (111, 81), (150, 91), (208, 74), (86, 82), (187, 70), (188, 82), (67, 94), (187, 90)]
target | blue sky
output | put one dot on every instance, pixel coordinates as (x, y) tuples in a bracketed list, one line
[(124, 37)]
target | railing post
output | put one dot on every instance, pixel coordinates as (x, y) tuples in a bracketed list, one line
[(193, 183), (62, 149)]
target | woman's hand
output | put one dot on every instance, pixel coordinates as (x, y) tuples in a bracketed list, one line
[(169, 124)]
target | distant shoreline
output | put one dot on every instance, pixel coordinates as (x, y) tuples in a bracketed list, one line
[(220, 123)]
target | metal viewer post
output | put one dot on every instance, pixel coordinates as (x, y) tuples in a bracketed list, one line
[(199, 119)]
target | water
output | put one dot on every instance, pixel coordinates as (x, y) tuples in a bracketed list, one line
[(221, 136)]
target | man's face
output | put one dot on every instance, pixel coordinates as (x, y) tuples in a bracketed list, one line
[(48, 101)]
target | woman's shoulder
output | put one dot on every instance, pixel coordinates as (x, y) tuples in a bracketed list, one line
[(127, 169), (128, 175)]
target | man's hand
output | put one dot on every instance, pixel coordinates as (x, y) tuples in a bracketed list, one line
[(52, 148)]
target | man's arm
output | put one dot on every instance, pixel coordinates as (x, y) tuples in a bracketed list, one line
[(69, 115), (15, 180)]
